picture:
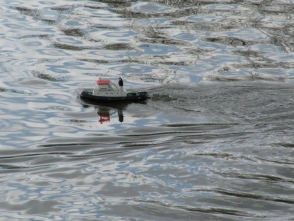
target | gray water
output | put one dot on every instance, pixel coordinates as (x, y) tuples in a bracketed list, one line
[(215, 141)]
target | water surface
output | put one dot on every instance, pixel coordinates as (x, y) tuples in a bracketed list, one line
[(215, 141)]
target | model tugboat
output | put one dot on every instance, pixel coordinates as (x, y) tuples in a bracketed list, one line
[(107, 91)]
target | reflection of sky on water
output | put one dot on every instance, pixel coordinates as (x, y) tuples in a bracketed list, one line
[(106, 55), (112, 45), (247, 34), (227, 7), (152, 21), (205, 18), (133, 68), (158, 49), (150, 7), (113, 36), (281, 57), (186, 36)]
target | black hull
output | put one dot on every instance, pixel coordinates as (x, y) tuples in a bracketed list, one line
[(98, 99)]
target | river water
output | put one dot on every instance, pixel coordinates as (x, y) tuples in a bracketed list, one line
[(215, 141)]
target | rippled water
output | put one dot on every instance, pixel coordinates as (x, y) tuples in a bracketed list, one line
[(215, 141)]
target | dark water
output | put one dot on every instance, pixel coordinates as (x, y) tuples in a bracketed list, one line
[(215, 142)]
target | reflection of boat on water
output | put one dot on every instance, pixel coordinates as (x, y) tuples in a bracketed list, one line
[(106, 112), (107, 91), (104, 115)]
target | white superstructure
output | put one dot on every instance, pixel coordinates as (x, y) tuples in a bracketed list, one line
[(106, 88)]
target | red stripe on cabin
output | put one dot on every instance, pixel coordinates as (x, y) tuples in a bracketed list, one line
[(102, 81)]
